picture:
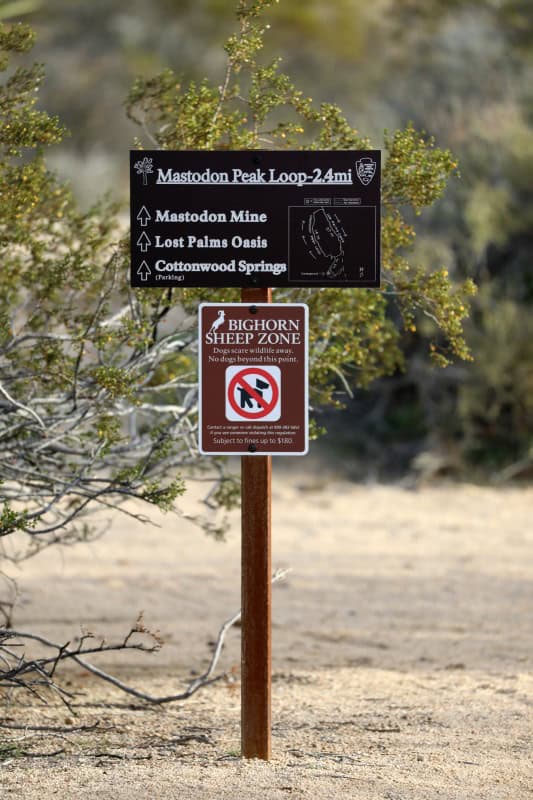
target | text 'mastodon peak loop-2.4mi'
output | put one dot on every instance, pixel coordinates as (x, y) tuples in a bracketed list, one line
[(255, 218)]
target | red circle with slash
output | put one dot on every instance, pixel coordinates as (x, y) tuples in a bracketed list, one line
[(239, 380)]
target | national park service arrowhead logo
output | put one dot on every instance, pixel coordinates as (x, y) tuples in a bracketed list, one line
[(366, 169)]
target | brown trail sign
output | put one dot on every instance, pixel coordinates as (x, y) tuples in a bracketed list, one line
[(255, 218), (253, 378)]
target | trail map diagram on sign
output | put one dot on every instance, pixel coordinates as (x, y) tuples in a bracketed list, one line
[(330, 244), (253, 393), (324, 237)]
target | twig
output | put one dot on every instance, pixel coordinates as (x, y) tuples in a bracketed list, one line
[(27, 754), (22, 407), (52, 729), (395, 729)]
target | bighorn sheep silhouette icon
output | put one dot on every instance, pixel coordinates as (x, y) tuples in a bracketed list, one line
[(218, 322)]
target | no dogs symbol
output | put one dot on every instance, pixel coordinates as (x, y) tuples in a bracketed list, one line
[(253, 393)]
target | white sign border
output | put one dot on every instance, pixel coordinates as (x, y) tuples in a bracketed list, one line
[(303, 452)]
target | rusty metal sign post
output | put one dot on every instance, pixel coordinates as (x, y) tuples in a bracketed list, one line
[(256, 593)]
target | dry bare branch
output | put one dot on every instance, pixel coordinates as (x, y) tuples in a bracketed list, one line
[(34, 674)]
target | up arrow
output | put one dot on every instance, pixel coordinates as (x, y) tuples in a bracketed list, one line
[(144, 270), (144, 216), (143, 242)]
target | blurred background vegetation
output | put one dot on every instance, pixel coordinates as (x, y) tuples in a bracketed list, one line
[(462, 71)]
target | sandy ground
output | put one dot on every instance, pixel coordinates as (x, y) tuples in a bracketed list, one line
[(402, 653)]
